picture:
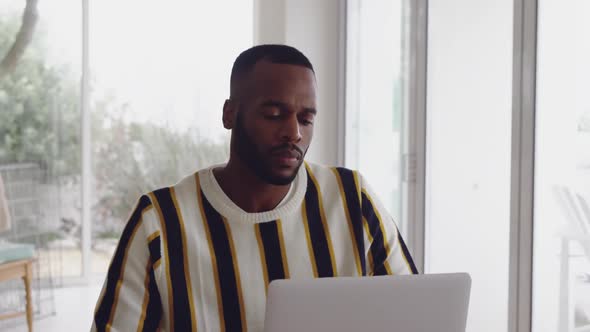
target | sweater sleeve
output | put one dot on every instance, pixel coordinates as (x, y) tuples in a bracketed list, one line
[(388, 253), (129, 299)]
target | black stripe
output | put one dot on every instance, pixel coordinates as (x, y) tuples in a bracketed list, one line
[(377, 246), (317, 233), (103, 311), (269, 234), (225, 267), (155, 253), (174, 243), (354, 210), (407, 254), (153, 313)]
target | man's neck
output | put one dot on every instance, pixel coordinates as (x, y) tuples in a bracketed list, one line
[(246, 190)]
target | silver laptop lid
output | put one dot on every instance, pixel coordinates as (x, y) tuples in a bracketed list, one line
[(430, 302)]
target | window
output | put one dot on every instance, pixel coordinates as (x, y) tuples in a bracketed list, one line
[(40, 130), (561, 259), (157, 97), (377, 97), (159, 73), (40, 57), (469, 111)]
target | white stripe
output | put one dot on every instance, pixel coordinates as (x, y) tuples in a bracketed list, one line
[(128, 311), (152, 224), (296, 247), (396, 260), (200, 269), (337, 222), (251, 273)]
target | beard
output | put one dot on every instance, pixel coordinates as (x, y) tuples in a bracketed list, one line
[(259, 162)]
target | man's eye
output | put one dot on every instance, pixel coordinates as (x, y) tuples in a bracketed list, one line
[(306, 122), (272, 116)]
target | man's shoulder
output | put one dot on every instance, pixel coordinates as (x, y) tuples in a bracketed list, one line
[(186, 182), (325, 170), (343, 177)]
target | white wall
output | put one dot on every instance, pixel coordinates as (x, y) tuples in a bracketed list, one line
[(313, 27)]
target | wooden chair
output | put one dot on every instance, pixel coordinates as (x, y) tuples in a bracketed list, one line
[(20, 269)]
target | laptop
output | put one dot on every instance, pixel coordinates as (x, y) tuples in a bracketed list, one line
[(412, 303)]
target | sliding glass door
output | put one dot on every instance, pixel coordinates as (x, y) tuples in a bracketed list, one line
[(468, 144), (561, 278)]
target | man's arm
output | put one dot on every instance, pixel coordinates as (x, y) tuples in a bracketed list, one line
[(388, 253), (129, 300)]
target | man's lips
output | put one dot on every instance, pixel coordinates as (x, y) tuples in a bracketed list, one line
[(287, 154), (287, 158)]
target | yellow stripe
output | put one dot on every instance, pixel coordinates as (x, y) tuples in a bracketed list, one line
[(146, 297), (187, 275), (368, 231), (123, 264), (308, 237), (324, 222), (212, 254), (262, 256), (237, 272), (385, 244), (283, 250), (153, 236), (350, 227), (166, 257)]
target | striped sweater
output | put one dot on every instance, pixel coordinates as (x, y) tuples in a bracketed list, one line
[(189, 259)]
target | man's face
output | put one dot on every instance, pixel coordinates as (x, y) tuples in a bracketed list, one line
[(274, 121)]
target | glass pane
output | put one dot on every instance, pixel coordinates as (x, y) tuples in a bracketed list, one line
[(377, 74), (561, 287), (469, 150), (39, 146), (158, 89), (39, 129)]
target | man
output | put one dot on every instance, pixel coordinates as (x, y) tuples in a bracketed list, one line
[(199, 255)]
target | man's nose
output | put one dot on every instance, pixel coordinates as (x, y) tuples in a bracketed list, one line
[(291, 130)]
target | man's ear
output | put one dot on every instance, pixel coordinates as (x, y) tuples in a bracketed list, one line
[(229, 113)]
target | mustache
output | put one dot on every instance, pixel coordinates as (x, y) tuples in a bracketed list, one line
[(287, 147)]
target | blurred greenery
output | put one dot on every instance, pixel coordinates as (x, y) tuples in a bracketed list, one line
[(135, 158), (40, 123), (30, 128)]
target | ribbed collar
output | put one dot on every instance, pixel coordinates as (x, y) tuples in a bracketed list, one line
[(227, 208)]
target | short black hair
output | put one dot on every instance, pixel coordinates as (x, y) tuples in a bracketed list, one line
[(273, 53)]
